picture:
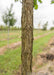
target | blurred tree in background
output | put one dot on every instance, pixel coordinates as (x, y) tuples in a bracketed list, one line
[(45, 26), (8, 17)]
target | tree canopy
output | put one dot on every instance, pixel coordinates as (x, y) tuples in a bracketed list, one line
[(8, 17), (52, 1)]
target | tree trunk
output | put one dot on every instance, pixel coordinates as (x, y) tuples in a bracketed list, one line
[(27, 36), (8, 35)]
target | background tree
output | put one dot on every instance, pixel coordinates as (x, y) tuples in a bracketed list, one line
[(8, 19), (45, 26), (39, 25), (53, 22), (52, 28)]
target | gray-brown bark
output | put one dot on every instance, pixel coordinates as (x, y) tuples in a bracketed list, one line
[(27, 36)]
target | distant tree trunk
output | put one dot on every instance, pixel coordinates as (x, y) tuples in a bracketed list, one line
[(27, 36), (8, 35)]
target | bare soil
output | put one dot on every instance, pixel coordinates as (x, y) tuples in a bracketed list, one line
[(44, 63), (11, 46)]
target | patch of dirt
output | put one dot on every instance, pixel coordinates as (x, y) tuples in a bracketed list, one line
[(44, 63), (11, 46)]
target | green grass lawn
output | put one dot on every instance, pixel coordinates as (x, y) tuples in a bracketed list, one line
[(16, 36), (10, 61)]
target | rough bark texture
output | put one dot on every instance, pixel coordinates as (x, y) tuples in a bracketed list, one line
[(27, 36)]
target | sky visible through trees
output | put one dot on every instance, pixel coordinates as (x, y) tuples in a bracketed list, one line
[(44, 13)]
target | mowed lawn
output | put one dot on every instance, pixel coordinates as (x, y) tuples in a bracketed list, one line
[(10, 61), (15, 36)]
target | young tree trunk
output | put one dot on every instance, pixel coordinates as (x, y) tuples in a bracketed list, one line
[(8, 35), (27, 36)]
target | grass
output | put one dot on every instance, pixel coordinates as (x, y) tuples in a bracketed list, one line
[(41, 43), (39, 32), (12, 34), (10, 61), (16, 36)]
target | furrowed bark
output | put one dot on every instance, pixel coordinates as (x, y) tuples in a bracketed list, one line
[(27, 36)]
